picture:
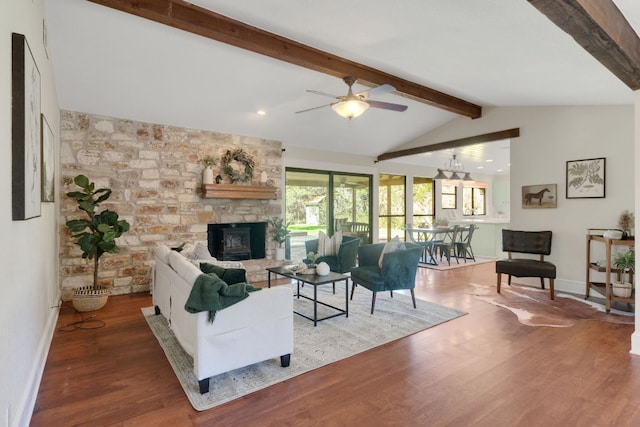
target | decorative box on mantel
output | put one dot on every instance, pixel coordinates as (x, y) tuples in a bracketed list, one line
[(236, 191)]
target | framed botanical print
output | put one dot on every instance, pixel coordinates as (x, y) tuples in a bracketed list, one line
[(586, 178), (48, 162), (25, 131)]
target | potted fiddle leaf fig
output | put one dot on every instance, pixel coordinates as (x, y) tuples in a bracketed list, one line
[(280, 234), (95, 234)]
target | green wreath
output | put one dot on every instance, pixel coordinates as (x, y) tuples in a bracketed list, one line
[(241, 156)]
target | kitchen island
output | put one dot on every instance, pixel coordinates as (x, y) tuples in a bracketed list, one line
[(487, 237)]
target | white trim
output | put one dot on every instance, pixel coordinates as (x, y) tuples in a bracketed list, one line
[(635, 343), (28, 400)]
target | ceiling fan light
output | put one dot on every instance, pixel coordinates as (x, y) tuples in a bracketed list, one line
[(440, 175), (351, 108)]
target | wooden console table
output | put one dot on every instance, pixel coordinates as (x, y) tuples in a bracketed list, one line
[(600, 287)]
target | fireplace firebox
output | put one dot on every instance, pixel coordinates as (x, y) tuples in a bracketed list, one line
[(237, 241)]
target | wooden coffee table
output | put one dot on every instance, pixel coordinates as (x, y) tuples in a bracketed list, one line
[(315, 280)]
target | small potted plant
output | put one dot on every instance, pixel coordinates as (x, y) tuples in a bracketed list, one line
[(626, 222), (280, 234), (312, 257), (95, 234), (625, 262)]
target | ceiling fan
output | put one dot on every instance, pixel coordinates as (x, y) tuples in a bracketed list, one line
[(352, 105)]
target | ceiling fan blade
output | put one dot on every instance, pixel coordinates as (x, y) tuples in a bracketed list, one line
[(311, 109), (378, 90), (323, 93), (386, 105)]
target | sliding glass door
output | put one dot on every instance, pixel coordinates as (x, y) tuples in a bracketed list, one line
[(423, 201), (352, 205), (391, 193), (318, 200)]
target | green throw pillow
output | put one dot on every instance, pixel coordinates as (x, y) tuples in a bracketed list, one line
[(229, 275)]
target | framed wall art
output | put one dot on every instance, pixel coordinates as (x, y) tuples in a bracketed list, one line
[(48, 162), (25, 131), (540, 196), (586, 178)]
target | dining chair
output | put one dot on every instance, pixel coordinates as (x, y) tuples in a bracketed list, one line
[(463, 244), (447, 246), (420, 238)]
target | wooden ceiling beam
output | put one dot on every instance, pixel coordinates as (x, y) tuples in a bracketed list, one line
[(462, 142), (185, 16), (602, 30)]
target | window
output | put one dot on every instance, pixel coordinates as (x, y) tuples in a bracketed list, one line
[(449, 197), (423, 201), (391, 195), (317, 200), (352, 205), (474, 201)]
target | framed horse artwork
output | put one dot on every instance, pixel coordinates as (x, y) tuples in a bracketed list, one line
[(539, 196)]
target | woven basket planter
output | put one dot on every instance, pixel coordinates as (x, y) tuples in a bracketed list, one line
[(87, 298)]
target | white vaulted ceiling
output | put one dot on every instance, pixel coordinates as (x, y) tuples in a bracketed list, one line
[(488, 52)]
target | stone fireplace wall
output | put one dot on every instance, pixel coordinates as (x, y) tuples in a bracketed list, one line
[(155, 172)]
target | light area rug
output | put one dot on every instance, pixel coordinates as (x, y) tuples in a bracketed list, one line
[(533, 306), (443, 266), (332, 340)]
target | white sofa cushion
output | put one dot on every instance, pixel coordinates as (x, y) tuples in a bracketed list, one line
[(329, 246), (188, 250), (187, 271), (391, 246), (202, 252), (162, 253)]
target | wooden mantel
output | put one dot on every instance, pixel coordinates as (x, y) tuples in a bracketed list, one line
[(237, 191)]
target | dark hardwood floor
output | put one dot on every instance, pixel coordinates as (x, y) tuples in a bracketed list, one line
[(483, 369)]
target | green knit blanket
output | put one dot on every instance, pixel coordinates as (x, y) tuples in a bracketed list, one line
[(211, 293)]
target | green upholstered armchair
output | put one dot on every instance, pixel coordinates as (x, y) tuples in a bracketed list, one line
[(398, 269), (346, 257)]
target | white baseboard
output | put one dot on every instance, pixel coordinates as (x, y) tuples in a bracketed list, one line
[(28, 401), (635, 343), (562, 285)]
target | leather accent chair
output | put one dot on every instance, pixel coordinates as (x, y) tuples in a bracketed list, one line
[(526, 242), (398, 269)]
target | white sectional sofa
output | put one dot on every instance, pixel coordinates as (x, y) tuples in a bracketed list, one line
[(251, 331)]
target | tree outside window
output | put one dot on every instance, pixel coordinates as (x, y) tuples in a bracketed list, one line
[(423, 201), (449, 197), (391, 199), (474, 201)]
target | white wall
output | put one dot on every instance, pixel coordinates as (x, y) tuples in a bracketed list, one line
[(635, 338), (549, 137), (29, 250)]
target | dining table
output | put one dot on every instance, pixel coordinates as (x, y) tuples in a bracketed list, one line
[(428, 237)]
